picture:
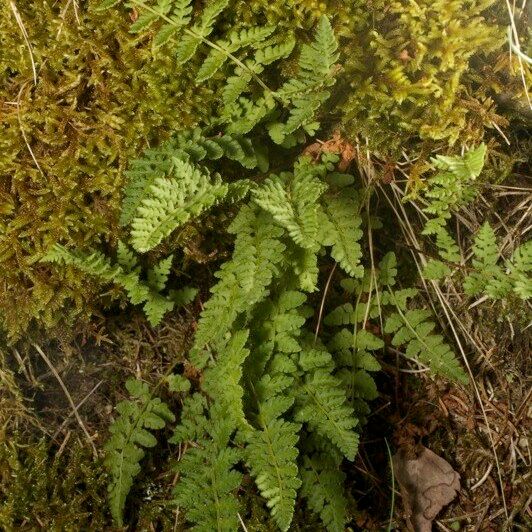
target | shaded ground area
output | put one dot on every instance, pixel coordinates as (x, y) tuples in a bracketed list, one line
[(456, 423)]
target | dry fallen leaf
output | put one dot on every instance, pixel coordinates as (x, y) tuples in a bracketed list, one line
[(337, 145), (427, 482)]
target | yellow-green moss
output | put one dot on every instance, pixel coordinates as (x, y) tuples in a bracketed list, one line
[(41, 491), (417, 72), (100, 97)]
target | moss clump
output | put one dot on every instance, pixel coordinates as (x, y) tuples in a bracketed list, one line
[(418, 72), (65, 140), (65, 492)]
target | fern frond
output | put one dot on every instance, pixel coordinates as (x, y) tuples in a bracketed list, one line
[(322, 487), (97, 265), (126, 258), (452, 185), (244, 280), (322, 403), (467, 167), (223, 381), (158, 275), (171, 202), (305, 93), (436, 269), (208, 480), (244, 114), (130, 434), (485, 258), (521, 270), (271, 451), (413, 329), (236, 40), (388, 269), (343, 212), (291, 198), (190, 146)]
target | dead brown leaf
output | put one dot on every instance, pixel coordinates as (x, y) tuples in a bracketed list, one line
[(337, 145), (427, 482)]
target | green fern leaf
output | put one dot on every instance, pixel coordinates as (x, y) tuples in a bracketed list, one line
[(322, 404), (156, 307), (126, 258), (158, 275), (292, 201), (210, 14), (466, 167), (411, 328), (171, 203), (322, 483), (521, 270), (271, 455), (243, 281), (130, 433), (208, 481), (343, 212), (435, 270), (223, 381), (186, 48)]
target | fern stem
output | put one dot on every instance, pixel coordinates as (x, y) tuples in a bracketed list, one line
[(211, 44)]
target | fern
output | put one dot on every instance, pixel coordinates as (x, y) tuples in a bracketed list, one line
[(343, 212), (447, 190), (127, 274), (291, 198), (488, 276), (451, 186), (249, 50), (130, 434), (322, 403), (271, 450), (223, 382), (486, 256), (413, 329), (307, 91), (321, 486), (190, 146), (207, 478), (521, 270), (243, 281), (171, 202)]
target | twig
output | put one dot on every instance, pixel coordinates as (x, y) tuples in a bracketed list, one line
[(322, 305), (56, 433), (69, 398)]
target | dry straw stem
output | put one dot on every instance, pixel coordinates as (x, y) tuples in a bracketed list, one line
[(513, 40), (69, 398), (20, 23)]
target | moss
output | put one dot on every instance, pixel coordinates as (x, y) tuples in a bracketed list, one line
[(65, 492), (418, 72), (100, 97)]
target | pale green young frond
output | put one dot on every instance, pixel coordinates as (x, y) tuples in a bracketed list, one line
[(291, 198), (171, 202)]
